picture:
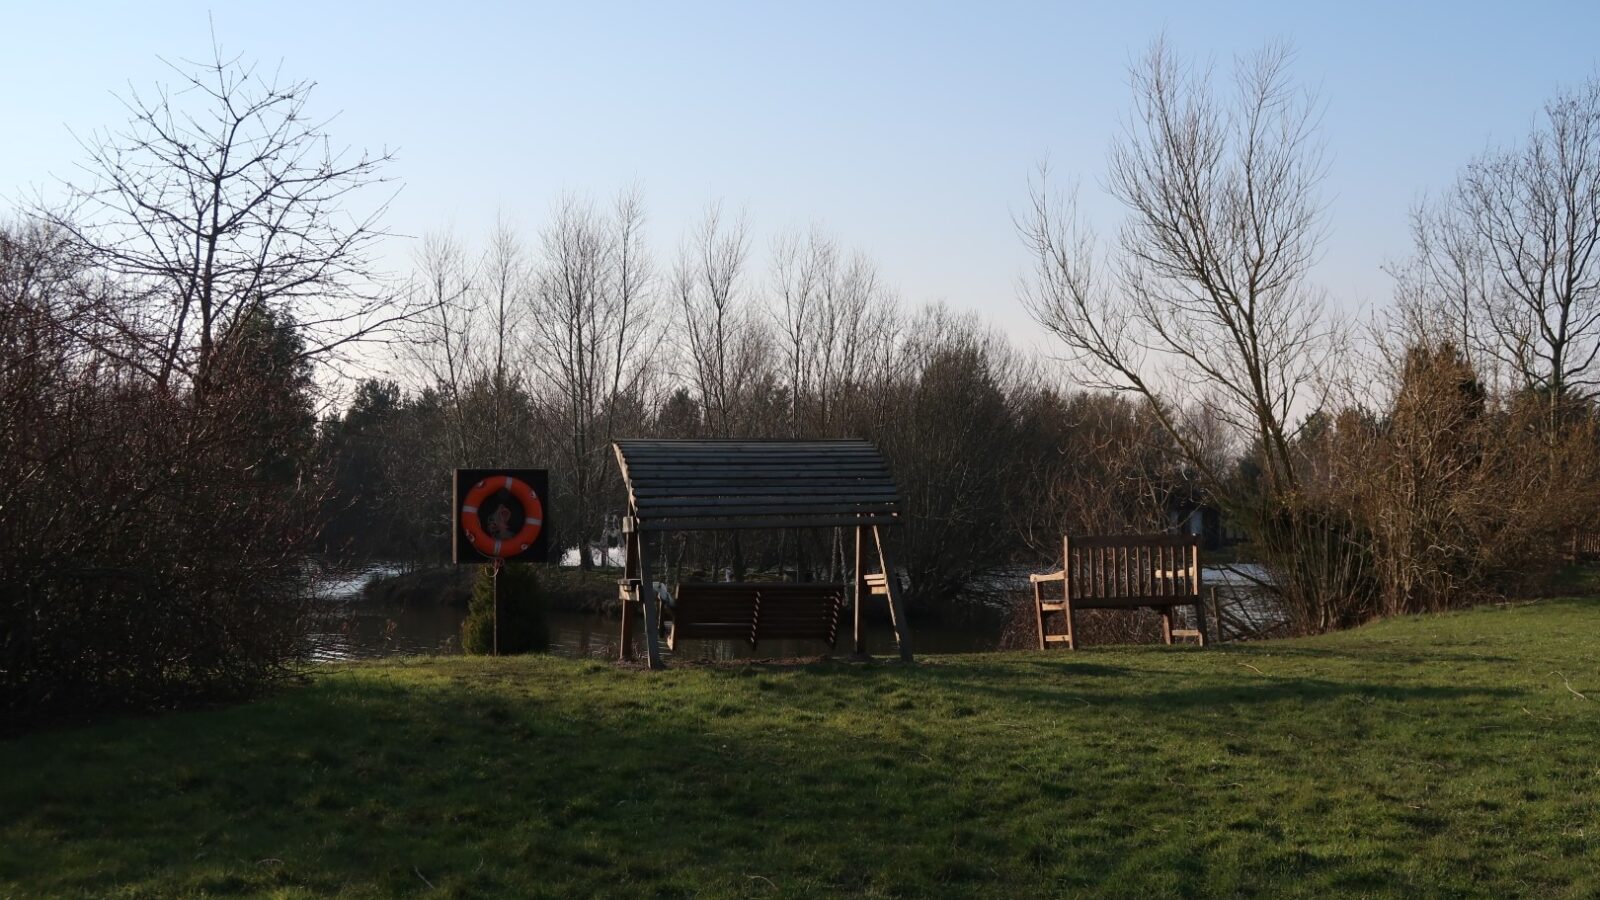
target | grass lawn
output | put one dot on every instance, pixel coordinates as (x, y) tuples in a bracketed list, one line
[(1438, 756)]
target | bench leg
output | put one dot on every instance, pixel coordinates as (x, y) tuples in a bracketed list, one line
[(1072, 635), (1166, 624)]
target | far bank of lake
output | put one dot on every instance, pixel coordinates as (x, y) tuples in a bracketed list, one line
[(353, 626)]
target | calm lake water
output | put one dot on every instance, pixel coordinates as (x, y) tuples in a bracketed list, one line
[(353, 628)]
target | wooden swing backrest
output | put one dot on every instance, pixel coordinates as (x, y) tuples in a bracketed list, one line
[(714, 611), (757, 611)]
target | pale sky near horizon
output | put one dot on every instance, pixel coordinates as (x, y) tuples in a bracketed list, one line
[(908, 131)]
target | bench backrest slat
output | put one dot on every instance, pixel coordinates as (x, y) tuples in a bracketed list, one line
[(1132, 570)]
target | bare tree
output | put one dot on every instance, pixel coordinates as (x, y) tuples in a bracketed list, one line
[(222, 194), (1529, 216), (1211, 302), (836, 319), (505, 278), (1442, 290), (589, 324), (633, 292), (724, 346), (856, 333), (1210, 294), (798, 271), (442, 345)]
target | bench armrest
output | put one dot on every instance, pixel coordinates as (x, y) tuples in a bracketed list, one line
[(1043, 579)]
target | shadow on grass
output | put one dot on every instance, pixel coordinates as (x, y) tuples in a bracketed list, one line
[(1069, 682), (1377, 653), (543, 778), (477, 787), (1258, 692)]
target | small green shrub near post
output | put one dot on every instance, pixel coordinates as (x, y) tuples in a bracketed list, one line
[(524, 618)]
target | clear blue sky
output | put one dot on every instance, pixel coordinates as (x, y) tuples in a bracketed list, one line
[(908, 130)]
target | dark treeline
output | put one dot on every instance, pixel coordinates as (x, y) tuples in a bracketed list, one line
[(993, 466), (189, 410)]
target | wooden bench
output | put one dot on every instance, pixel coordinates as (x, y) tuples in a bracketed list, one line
[(1159, 572), (1585, 546), (754, 611)]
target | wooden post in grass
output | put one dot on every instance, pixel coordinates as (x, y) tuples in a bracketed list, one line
[(861, 591), (494, 597), (628, 587), (647, 596), (897, 610)]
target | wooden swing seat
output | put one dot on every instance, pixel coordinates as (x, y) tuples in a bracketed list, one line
[(754, 611)]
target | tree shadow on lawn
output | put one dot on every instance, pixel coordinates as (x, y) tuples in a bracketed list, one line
[(546, 782), (1375, 654), (1218, 690), (834, 668), (498, 791), (1069, 683)]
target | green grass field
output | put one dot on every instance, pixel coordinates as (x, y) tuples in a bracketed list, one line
[(1440, 756)]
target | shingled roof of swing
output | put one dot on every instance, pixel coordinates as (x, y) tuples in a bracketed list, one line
[(712, 484)]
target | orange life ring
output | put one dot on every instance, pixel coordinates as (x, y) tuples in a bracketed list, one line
[(532, 517)]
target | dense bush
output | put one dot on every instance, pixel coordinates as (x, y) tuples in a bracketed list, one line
[(1451, 495), (159, 323), (524, 625), (150, 540)]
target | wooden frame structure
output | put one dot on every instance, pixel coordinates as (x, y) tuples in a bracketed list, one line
[(1159, 571), (723, 485)]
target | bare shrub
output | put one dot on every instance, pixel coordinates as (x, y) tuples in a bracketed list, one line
[(156, 395), (150, 540), (1449, 496)]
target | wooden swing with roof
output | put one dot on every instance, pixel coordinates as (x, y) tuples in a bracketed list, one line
[(733, 485)]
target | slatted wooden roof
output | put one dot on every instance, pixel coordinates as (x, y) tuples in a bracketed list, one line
[(735, 484)]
